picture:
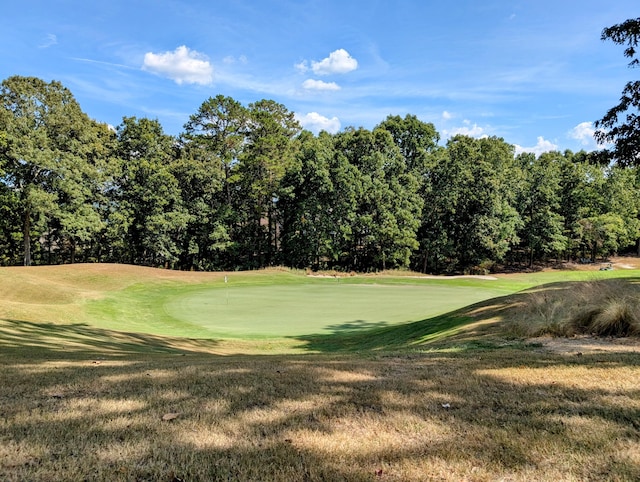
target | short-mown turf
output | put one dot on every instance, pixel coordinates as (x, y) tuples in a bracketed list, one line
[(294, 310), (279, 310), (282, 304)]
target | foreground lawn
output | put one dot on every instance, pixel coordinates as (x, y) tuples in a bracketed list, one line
[(496, 413)]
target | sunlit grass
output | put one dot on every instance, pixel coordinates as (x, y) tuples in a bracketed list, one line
[(519, 414), (603, 307), (456, 396)]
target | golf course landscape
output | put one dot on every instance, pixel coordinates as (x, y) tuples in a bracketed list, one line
[(117, 372)]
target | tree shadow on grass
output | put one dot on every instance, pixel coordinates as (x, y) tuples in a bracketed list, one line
[(402, 416), (381, 336), (24, 338)]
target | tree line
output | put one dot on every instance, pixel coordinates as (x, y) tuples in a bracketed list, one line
[(245, 187)]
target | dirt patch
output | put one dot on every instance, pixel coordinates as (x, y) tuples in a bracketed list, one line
[(583, 345), (617, 262)]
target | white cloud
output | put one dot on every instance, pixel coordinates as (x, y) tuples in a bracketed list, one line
[(182, 66), (316, 122), (312, 84), (446, 115), (302, 66), (583, 132), (466, 130), (230, 59), (338, 62), (541, 146)]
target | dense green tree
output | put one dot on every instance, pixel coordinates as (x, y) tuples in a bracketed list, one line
[(47, 145), (244, 188), (382, 231), (539, 197), (216, 136), (470, 215), (220, 126), (267, 153), (310, 204), (206, 238), (622, 197), (150, 216), (621, 124), (416, 139)]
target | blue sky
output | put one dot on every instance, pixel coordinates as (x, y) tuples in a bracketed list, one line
[(534, 72)]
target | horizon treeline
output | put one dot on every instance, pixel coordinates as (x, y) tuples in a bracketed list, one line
[(245, 187)]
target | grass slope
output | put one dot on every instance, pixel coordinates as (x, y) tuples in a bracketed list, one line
[(270, 310), (444, 398)]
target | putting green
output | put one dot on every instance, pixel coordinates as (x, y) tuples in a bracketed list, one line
[(292, 310)]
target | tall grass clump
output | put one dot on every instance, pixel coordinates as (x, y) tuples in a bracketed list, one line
[(601, 308)]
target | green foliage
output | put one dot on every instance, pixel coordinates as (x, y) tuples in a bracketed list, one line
[(150, 213), (621, 124), (539, 203), (244, 188), (49, 149), (469, 206)]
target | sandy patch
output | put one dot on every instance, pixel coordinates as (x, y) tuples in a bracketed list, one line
[(587, 345)]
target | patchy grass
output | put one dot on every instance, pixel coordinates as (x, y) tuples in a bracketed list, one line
[(474, 414), (454, 397)]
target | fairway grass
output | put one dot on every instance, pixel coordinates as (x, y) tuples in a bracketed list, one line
[(271, 309)]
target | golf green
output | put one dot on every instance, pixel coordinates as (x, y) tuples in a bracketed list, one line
[(291, 310)]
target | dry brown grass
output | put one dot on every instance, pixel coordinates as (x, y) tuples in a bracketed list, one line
[(508, 414), (79, 403), (601, 308)]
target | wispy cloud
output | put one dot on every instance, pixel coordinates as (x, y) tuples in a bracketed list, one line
[(101, 62), (230, 59), (311, 84), (49, 40), (467, 129), (584, 132), (183, 66), (316, 122)]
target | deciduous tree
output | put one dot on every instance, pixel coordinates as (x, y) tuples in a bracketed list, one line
[(621, 124)]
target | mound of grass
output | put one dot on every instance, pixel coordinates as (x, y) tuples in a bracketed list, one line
[(601, 308)]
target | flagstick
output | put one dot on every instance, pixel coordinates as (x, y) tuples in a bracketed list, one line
[(226, 288)]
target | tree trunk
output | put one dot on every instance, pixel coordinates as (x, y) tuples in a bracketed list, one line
[(26, 235)]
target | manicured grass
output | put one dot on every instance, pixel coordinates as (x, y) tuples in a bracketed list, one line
[(277, 304), (282, 310), (288, 304)]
